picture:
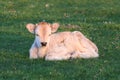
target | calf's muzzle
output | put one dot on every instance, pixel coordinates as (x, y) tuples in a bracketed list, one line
[(43, 43)]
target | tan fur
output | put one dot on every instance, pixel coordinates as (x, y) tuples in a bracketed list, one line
[(62, 45)]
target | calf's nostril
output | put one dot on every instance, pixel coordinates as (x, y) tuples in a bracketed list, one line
[(43, 43)]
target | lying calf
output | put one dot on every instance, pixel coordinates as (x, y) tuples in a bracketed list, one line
[(59, 46)]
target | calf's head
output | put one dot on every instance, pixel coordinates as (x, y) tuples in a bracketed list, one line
[(42, 31)]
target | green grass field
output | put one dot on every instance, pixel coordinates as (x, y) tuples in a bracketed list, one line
[(99, 20)]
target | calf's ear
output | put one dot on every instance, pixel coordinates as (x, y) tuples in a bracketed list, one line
[(30, 27), (54, 27)]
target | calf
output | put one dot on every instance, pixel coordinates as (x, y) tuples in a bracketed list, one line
[(59, 46)]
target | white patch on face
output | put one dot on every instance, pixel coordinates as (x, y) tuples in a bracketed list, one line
[(37, 41)]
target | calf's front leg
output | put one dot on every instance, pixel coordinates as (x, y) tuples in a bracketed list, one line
[(33, 53), (42, 52)]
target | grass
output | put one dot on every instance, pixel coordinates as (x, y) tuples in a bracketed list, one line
[(99, 20)]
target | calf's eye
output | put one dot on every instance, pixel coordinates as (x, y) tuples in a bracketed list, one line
[(36, 34)]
